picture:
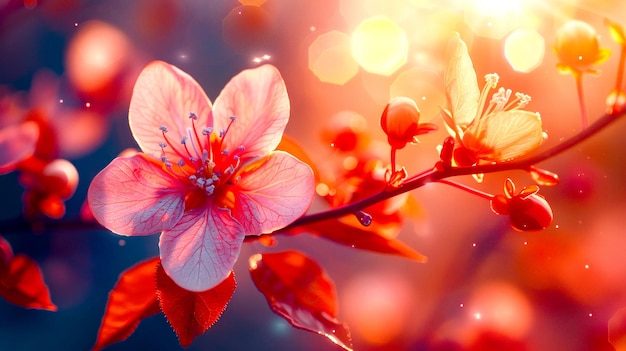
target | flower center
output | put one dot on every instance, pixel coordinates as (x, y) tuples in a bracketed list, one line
[(207, 164)]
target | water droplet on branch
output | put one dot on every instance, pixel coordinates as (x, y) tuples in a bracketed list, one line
[(364, 218)]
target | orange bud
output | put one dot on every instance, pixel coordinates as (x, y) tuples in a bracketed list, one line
[(578, 48), (400, 121)]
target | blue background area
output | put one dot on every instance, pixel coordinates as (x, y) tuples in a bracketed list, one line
[(81, 267)]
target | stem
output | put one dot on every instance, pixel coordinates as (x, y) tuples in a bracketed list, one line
[(426, 177), (466, 188), (393, 160), (620, 71), (581, 99)]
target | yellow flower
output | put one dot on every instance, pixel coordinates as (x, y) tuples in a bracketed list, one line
[(578, 48), (489, 130)]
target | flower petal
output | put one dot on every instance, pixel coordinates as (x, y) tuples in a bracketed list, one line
[(165, 96), (200, 251), (17, 143), (273, 192), (508, 135), (460, 82), (134, 196), (258, 99)]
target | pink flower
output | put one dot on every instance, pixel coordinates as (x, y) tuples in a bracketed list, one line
[(208, 175)]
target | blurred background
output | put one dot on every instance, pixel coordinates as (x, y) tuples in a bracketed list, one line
[(485, 287)]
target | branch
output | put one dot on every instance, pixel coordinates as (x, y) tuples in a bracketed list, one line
[(426, 177), (435, 174)]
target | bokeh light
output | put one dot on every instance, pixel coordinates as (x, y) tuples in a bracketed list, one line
[(330, 58), (501, 307), (377, 304), (380, 45), (524, 50), (96, 58)]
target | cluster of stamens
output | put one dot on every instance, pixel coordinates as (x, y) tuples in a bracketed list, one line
[(499, 100), (206, 168)]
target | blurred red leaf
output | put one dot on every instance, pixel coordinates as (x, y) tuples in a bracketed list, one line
[(6, 255), (191, 313), (132, 299), (297, 289), (22, 284), (617, 330), (361, 238)]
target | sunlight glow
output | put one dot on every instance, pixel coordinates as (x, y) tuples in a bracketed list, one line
[(379, 45), (524, 50), (493, 18), (330, 59)]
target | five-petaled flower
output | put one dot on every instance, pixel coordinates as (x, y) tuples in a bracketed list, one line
[(496, 131), (208, 175)]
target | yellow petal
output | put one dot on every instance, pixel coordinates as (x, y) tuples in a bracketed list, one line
[(460, 82), (617, 31), (507, 135)]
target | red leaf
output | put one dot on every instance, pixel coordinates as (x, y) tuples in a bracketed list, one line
[(132, 299), (298, 290), (192, 313), (22, 284), (363, 239), (617, 330)]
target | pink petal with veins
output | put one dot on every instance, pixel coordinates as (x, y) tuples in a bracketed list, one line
[(258, 98), (201, 250), (165, 96), (273, 192), (134, 196), (17, 142)]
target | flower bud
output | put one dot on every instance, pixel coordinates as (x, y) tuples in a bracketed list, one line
[(527, 210), (543, 176), (578, 48), (400, 121), (530, 213)]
